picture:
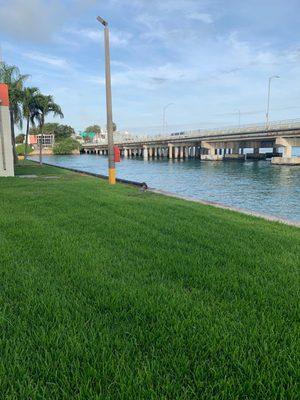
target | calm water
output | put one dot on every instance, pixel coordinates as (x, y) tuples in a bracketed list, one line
[(253, 185)]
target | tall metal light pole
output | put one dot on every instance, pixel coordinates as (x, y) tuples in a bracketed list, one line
[(110, 139), (164, 116), (268, 104)]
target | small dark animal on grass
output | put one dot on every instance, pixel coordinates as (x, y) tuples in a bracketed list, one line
[(144, 187)]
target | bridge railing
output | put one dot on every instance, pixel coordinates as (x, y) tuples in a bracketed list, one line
[(276, 125)]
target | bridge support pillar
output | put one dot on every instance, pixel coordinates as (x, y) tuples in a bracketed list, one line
[(235, 149), (181, 152), (212, 151), (287, 157), (125, 153), (176, 152), (145, 153), (186, 151), (256, 155), (233, 153), (170, 151), (150, 152)]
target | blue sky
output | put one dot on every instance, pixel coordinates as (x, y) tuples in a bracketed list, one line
[(210, 58)]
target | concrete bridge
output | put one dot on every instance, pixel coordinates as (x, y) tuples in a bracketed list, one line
[(216, 145)]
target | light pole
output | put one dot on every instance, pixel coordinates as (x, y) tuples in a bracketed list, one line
[(164, 116), (110, 139), (268, 104)]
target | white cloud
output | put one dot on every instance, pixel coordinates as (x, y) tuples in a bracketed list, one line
[(32, 19), (119, 39), (150, 78), (50, 60), (37, 20)]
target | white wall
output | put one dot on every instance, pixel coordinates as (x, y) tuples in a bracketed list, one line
[(6, 153)]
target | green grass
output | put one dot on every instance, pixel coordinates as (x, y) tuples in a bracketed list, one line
[(111, 293)]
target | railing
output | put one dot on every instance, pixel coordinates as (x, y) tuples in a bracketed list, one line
[(247, 128)]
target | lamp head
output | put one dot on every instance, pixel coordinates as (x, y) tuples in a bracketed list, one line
[(102, 21)]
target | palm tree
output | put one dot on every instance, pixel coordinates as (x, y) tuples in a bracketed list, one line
[(30, 110), (45, 106), (10, 75)]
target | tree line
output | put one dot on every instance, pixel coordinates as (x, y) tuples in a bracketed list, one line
[(26, 104)]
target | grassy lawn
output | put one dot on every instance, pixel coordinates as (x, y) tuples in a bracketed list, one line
[(111, 293)]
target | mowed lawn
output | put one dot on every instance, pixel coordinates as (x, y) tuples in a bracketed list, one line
[(112, 293)]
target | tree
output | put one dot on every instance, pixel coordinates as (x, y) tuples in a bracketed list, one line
[(46, 105), (59, 131), (20, 138), (22, 149), (30, 110), (66, 146), (94, 129), (63, 132), (10, 75), (49, 129)]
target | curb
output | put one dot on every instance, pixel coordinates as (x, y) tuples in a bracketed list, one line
[(266, 217), (119, 180)]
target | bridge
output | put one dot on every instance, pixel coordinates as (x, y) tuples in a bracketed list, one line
[(215, 144)]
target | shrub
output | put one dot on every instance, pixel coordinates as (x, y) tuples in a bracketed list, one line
[(20, 148), (67, 146)]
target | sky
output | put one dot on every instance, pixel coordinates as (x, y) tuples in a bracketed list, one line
[(210, 58)]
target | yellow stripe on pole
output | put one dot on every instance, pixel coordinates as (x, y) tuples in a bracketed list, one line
[(112, 176)]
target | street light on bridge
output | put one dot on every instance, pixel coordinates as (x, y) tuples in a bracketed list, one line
[(110, 139), (268, 104)]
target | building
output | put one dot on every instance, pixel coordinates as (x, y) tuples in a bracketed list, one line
[(47, 141)]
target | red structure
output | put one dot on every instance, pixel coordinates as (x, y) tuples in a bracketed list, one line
[(4, 95), (32, 139), (117, 154), (6, 149)]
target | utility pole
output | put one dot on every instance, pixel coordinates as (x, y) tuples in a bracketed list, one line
[(110, 139), (268, 103)]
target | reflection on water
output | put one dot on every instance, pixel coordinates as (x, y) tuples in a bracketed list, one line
[(253, 185)]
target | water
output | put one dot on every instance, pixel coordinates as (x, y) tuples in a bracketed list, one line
[(252, 185)]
